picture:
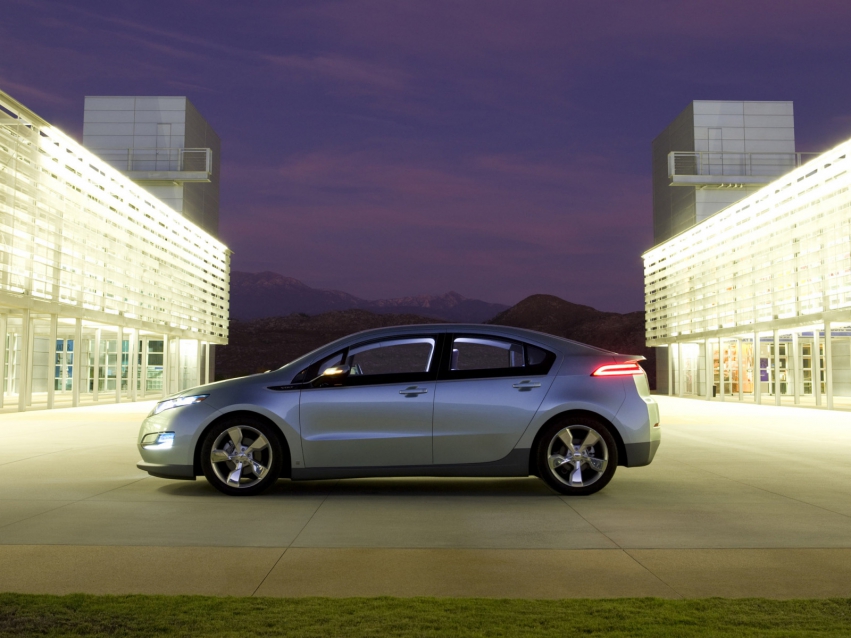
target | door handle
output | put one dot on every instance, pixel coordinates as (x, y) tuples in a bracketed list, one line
[(413, 390), (526, 384)]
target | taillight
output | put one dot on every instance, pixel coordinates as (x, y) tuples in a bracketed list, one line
[(618, 370)]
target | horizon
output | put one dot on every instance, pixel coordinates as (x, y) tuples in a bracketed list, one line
[(429, 296), (498, 150)]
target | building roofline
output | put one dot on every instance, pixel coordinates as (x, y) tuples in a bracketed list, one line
[(30, 116), (742, 202)]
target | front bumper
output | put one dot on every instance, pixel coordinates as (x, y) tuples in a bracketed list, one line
[(177, 461), (184, 472)]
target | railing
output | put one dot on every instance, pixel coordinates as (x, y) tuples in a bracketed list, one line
[(158, 159), (692, 163)]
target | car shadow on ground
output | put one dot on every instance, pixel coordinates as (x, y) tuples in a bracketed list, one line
[(413, 487)]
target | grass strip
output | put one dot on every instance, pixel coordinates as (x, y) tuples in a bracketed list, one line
[(132, 616)]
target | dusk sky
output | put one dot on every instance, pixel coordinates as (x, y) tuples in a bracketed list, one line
[(498, 149)]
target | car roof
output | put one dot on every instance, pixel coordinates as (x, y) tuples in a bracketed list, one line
[(567, 346)]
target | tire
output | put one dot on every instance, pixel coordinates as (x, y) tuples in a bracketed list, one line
[(247, 444), (593, 461)]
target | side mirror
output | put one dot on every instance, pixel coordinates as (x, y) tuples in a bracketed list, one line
[(332, 376), (334, 371)]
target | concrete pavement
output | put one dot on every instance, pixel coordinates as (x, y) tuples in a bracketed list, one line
[(741, 500)]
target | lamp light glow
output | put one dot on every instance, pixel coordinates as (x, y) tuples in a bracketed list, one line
[(158, 440)]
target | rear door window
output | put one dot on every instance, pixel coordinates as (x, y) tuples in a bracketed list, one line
[(473, 356)]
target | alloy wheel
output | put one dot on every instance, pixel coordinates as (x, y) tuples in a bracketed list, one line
[(577, 456), (241, 456)]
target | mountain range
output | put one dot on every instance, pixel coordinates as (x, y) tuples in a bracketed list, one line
[(269, 294)]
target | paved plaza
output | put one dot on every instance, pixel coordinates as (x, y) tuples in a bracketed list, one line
[(741, 500)]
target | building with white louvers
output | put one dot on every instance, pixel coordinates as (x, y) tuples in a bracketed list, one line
[(754, 302), (106, 292)]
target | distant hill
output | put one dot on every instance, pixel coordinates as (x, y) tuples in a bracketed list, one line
[(623, 333), (268, 294), (613, 331), (265, 344)]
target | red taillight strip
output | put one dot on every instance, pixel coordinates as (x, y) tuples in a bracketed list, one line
[(618, 370)]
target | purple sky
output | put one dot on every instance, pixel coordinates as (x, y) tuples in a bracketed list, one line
[(499, 149)]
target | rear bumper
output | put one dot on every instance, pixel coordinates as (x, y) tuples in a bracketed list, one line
[(184, 472), (638, 454), (638, 424)]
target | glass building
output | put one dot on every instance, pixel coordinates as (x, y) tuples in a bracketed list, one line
[(106, 293), (753, 303)]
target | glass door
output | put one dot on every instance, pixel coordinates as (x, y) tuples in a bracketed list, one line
[(747, 367), (152, 373), (108, 365), (13, 353), (63, 370), (807, 367), (782, 372)]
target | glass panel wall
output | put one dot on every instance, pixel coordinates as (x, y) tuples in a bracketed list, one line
[(103, 362)]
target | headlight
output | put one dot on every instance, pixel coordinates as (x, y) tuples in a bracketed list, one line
[(178, 402), (158, 440)]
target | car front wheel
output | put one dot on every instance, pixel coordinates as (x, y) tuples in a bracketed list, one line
[(577, 455), (241, 456)]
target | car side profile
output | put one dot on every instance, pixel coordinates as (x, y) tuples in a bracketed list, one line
[(429, 400)]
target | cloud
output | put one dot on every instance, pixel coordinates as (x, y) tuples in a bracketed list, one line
[(182, 45), (22, 92)]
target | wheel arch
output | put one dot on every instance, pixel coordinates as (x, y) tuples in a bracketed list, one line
[(286, 467), (533, 470)]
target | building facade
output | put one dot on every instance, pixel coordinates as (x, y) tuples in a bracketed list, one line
[(754, 302), (713, 154), (106, 292)]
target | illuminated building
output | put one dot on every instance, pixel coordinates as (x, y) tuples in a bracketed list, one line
[(754, 302), (106, 293)]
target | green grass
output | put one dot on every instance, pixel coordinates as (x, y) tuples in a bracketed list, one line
[(83, 615)]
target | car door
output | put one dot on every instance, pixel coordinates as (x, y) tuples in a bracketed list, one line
[(487, 393), (380, 414)]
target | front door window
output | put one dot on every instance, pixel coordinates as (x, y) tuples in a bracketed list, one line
[(396, 357)]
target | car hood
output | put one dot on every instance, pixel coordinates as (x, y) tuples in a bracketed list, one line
[(265, 378)]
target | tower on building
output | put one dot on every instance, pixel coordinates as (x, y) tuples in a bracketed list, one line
[(714, 154), (163, 144)]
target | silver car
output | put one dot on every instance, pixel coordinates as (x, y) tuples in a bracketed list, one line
[(428, 400)]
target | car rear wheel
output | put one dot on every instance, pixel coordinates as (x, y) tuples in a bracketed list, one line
[(577, 455), (241, 456)]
